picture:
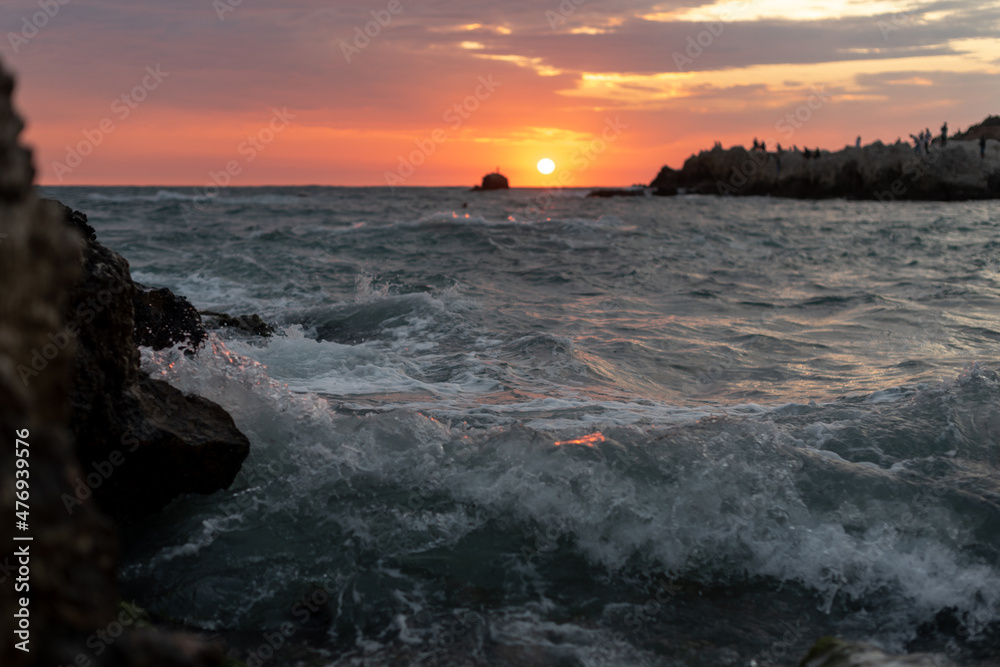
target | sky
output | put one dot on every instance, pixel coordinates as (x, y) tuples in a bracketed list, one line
[(428, 92)]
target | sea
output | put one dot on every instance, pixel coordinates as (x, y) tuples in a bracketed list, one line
[(530, 427)]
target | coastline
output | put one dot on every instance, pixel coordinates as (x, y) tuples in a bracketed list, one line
[(874, 172)]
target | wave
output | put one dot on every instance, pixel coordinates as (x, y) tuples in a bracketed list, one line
[(880, 511), (199, 198)]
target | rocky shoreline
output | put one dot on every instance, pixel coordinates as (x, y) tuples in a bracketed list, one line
[(959, 170)]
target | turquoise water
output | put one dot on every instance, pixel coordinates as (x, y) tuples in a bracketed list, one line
[(504, 427)]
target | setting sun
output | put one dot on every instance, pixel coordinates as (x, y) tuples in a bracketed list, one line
[(546, 166)]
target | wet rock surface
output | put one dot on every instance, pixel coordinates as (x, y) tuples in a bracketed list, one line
[(253, 324), (145, 440), (164, 319)]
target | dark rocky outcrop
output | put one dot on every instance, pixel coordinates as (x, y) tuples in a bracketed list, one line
[(617, 192), (877, 171), (163, 319), (494, 181), (253, 325), (72, 592), (159, 442)]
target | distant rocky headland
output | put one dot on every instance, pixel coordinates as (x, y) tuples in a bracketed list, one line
[(963, 166)]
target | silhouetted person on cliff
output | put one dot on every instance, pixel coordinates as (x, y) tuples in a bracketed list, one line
[(857, 142), (944, 135), (806, 153), (763, 146), (756, 144), (982, 147)]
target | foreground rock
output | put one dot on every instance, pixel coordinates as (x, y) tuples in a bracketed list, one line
[(140, 441), (494, 181), (830, 652), (877, 171), (72, 555)]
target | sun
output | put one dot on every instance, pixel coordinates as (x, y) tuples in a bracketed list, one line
[(546, 166)]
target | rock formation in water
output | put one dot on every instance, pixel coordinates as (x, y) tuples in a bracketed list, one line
[(71, 595), (494, 181), (163, 319), (877, 171), (618, 192), (252, 325), (148, 442)]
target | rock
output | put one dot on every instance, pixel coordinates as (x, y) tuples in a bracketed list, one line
[(832, 652), (618, 192), (152, 442), (989, 128), (877, 171), (163, 319), (494, 181), (73, 553), (250, 324), (665, 183)]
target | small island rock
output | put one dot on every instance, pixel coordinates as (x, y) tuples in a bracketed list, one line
[(494, 181)]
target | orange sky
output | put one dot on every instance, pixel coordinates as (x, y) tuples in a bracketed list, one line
[(144, 93)]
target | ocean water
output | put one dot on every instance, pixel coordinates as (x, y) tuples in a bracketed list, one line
[(525, 429)]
